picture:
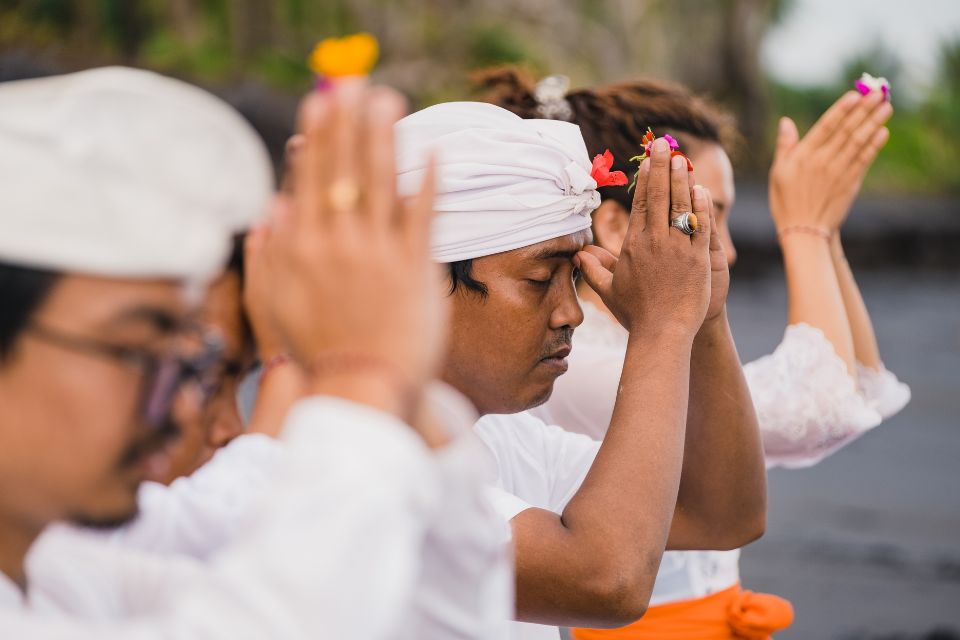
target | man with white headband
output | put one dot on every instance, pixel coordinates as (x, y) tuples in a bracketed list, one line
[(119, 191), (513, 215)]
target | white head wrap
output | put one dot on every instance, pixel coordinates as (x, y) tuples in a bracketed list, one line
[(503, 182), (125, 173)]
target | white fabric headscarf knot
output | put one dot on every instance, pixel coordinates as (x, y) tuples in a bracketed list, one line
[(502, 182)]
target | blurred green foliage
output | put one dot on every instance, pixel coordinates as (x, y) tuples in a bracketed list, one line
[(429, 47), (923, 152)]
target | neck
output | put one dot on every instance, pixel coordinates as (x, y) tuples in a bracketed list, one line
[(16, 539)]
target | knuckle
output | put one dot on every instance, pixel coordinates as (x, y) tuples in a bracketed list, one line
[(657, 192), (861, 136)]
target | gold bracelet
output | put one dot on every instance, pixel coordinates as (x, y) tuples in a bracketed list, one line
[(820, 232)]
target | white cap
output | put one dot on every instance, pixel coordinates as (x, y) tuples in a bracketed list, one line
[(125, 173), (502, 182)]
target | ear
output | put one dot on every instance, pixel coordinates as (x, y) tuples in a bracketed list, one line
[(610, 222)]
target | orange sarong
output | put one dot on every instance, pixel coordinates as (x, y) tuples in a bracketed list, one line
[(731, 614)]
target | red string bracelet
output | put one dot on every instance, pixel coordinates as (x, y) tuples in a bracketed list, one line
[(338, 362), (273, 363), (807, 229)]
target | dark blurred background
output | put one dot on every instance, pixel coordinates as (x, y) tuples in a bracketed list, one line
[(867, 544)]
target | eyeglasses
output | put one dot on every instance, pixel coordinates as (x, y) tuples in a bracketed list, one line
[(162, 376)]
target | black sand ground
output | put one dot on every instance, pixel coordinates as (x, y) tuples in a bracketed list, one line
[(867, 544)]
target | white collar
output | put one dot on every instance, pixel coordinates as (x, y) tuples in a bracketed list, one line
[(10, 595)]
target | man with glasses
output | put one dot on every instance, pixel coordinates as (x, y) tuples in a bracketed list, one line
[(119, 192)]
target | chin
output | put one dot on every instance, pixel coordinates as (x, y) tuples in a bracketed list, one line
[(107, 516), (542, 396)]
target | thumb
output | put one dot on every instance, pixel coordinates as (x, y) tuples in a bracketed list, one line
[(787, 137), (594, 273)]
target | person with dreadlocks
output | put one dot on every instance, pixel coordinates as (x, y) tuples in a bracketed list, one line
[(825, 384)]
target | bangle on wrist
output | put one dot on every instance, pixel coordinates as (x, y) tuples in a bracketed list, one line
[(821, 232)]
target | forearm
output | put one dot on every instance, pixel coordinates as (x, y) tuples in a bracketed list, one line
[(722, 499), (280, 388), (597, 566), (865, 346), (813, 291)]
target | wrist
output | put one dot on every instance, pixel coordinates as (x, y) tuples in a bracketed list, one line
[(667, 333), (714, 326), (804, 243), (816, 230), (836, 247), (365, 379)]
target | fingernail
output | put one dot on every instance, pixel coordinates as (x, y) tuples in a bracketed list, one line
[(576, 260), (699, 195), (660, 145), (677, 162), (386, 106)]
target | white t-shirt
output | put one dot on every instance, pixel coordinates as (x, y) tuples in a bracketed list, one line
[(451, 576), (199, 514), (312, 563), (807, 405), (537, 466)]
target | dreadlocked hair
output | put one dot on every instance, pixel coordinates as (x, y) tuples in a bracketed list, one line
[(616, 116)]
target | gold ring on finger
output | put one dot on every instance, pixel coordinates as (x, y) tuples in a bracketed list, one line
[(686, 222), (344, 195)]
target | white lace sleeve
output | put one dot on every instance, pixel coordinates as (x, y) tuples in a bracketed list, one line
[(882, 390), (808, 405)]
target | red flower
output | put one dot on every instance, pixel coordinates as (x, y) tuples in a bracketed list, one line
[(602, 174), (677, 153)]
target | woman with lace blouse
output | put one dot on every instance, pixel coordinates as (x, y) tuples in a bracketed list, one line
[(825, 384)]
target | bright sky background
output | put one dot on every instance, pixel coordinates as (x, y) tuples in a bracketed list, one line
[(816, 37)]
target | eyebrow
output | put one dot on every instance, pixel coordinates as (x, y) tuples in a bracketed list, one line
[(554, 254), (159, 319)]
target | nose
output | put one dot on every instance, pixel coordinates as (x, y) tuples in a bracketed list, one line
[(567, 312), (728, 247)]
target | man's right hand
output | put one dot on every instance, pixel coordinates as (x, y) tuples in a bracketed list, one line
[(354, 289), (662, 279)]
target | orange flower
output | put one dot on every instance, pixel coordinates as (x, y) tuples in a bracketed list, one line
[(647, 141), (348, 56)]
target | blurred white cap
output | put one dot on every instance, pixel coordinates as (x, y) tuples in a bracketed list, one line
[(125, 173)]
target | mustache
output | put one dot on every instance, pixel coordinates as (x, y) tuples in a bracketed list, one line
[(156, 439), (105, 523), (562, 339)]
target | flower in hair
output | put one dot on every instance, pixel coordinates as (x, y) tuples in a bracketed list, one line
[(342, 57), (600, 171), (868, 83), (647, 141)]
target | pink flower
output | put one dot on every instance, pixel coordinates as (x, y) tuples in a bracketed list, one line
[(674, 145), (867, 83), (600, 171)]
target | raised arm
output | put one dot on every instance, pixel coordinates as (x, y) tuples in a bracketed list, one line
[(866, 351), (595, 564), (806, 392), (813, 182), (723, 492)]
